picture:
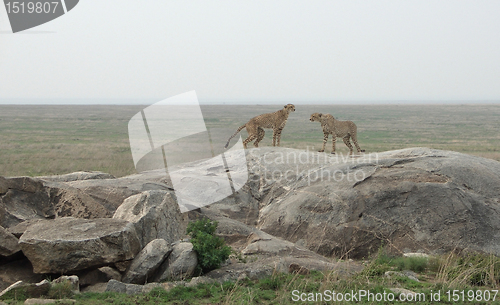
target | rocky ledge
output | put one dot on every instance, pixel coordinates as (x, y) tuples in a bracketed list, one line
[(298, 211)]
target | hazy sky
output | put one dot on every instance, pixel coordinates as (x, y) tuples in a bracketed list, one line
[(252, 50)]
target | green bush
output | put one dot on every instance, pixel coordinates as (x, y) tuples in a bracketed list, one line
[(62, 290), (212, 251)]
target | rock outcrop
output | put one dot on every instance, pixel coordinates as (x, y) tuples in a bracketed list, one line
[(69, 244), (411, 199), (297, 210)]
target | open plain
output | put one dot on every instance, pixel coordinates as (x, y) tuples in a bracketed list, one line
[(46, 140)]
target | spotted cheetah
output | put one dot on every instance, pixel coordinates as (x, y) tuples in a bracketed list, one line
[(338, 129), (255, 127)]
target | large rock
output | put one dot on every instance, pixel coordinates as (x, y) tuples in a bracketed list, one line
[(8, 243), (155, 215), (23, 198), (69, 244), (411, 199), (112, 192), (147, 262), (180, 264)]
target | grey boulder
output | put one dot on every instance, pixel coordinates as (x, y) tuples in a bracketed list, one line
[(147, 262), (8, 243), (180, 264), (415, 199), (68, 244), (155, 215)]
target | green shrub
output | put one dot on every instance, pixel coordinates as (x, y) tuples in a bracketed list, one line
[(62, 290), (417, 264), (210, 249)]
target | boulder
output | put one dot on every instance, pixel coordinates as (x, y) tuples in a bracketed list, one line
[(72, 202), (30, 290), (180, 264), (8, 243), (155, 215), (415, 199), (23, 198), (147, 262), (69, 244), (112, 192)]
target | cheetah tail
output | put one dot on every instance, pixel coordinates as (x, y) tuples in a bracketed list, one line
[(237, 131)]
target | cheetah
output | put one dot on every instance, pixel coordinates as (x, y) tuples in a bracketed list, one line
[(255, 127), (338, 129)]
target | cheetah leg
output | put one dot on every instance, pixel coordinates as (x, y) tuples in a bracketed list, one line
[(275, 136), (278, 137), (325, 139), (260, 136), (249, 139), (355, 140), (334, 140), (348, 143), (252, 135)]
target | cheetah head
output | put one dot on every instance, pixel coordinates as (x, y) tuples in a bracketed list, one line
[(289, 108), (315, 117)]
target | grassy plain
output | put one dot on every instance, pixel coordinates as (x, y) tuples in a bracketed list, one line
[(43, 140)]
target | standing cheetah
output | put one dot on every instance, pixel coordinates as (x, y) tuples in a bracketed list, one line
[(255, 127), (338, 129)]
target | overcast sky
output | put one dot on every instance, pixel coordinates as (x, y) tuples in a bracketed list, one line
[(263, 51)]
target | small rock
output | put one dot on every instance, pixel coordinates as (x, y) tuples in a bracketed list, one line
[(48, 301), (414, 254), (130, 289), (402, 291), (97, 288), (195, 281), (407, 273), (296, 268), (147, 262), (179, 265)]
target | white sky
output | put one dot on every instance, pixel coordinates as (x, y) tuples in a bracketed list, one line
[(252, 50)]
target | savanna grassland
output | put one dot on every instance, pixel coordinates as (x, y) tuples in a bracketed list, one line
[(44, 140)]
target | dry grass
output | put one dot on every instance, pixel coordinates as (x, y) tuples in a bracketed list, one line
[(44, 140)]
